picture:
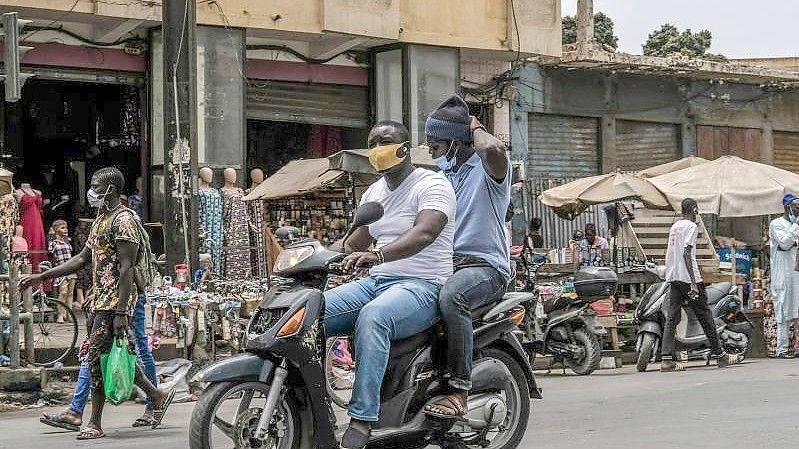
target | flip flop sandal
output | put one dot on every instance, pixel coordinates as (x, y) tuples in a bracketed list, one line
[(158, 414), (57, 420), (89, 433), (451, 403), (144, 422)]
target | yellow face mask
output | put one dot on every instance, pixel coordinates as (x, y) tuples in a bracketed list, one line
[(384, 157)]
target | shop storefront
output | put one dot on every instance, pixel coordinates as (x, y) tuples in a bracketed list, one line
[(293, 120)]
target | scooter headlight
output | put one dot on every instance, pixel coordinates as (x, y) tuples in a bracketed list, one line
[(292, 257)]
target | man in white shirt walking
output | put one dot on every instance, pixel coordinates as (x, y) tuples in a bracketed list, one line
[(687, 288)]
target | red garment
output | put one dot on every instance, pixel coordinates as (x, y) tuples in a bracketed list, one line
[(30, 212)]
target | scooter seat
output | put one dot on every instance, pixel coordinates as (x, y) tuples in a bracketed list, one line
[(716, 292), (405, 346)]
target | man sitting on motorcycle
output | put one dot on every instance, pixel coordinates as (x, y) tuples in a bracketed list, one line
[(475, 163), (411, 259)]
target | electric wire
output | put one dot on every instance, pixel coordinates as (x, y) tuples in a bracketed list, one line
[(59, 19)]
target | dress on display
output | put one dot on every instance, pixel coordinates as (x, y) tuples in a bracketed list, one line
[(256, 211), (8, 216), (81, 235), (211, 221), (31, 220), (236, 224)]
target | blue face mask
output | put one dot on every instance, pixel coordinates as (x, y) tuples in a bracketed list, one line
[(447, 164)]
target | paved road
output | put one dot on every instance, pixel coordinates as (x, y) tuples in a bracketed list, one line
[(748, 406)]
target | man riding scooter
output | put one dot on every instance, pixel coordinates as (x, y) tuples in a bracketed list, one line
[(475, 163), (411, 259)]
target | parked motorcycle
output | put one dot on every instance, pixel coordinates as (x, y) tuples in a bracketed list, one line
[(565, 327), (274, 395), (733, 327)]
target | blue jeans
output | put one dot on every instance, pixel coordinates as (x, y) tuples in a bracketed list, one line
[(83, 386), (467, 289), (379, 310)]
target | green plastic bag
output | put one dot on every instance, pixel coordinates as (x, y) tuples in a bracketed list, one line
[(119, 372)]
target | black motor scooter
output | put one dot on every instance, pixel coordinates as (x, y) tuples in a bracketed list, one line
[(566, 327), (275, 394), (733, 327)]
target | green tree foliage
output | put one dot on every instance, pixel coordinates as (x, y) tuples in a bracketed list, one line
[(603, 30), (669, 41)]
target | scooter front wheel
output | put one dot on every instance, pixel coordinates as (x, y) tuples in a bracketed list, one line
[(227, 414), (645, 350)]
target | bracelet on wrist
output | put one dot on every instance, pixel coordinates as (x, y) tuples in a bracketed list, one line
[(379, 254)]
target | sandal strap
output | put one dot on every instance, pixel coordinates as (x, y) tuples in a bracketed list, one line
[(451, 402)]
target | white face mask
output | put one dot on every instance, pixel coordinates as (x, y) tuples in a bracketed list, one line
[(95, 200), (443, 163)]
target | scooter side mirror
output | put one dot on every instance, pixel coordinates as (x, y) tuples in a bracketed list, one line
[(366, 214)]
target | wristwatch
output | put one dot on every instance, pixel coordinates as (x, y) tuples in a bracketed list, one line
[(479, 127)]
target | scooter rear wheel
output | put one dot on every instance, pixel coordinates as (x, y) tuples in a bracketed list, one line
[(592, 355)]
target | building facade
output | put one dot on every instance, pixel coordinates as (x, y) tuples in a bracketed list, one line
[(276, 80)]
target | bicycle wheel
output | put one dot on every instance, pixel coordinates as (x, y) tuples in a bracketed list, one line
[(52, 341)]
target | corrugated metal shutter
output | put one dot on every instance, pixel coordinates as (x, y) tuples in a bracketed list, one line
[(641, 145), (786, 150), (321, 104), (563, 146), (555, 230)]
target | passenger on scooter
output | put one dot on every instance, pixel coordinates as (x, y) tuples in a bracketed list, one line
[(687, 288), (475, 163), (411, 259)]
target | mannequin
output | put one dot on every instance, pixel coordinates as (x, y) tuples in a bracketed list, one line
[(8, 206), (210, 212), (256, 211), (236, 260), (256, 178), (30, 207), (136, 200)]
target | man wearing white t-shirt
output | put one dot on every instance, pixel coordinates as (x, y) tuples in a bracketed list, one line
[(682, 272), (411, 259)]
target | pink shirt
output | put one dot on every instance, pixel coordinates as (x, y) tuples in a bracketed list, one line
[(19, 245)]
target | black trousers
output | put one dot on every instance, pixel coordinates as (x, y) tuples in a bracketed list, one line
[(679, 297)]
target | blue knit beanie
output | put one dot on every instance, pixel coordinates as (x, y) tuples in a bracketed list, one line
[(450, 121)]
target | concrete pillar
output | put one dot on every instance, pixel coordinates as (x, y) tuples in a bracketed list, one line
[(767, 143), (529, 98), (585, 21), (607, 131)]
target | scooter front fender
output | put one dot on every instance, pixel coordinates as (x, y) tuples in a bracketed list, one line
[(240, 367), (653, 327)]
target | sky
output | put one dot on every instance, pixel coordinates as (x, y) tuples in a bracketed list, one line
[(741, 28)]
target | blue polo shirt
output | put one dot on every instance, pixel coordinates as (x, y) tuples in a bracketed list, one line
[(480, 215)]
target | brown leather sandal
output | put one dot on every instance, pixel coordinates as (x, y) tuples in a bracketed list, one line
[(449, 406)]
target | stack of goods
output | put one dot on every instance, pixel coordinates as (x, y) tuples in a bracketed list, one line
[(216, 312), (320, 217)]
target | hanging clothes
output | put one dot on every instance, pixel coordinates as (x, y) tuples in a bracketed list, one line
[(236, 254), (211, 221), (257, 255), (8, 217), (31, 220), (324, 140), (81, 235)]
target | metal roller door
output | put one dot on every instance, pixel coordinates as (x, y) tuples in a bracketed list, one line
[(321, 104), (563, 146), (786, 150), (641, 145)]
